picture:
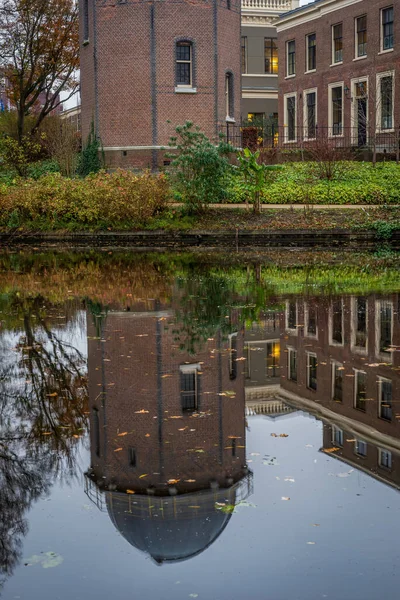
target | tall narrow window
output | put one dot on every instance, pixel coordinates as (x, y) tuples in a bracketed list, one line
[(291, 315), (189, 387), (360, 390), (311, 371), (273, 354), (336, 110), (229, 95), (270, 56), (292, 364), (360, 322), (291, 58), (385, 325), (361, 36), (96, 431), (360, 448), (337, 436), (311, 115), (184, 64), (337, 322), (291, 118), (311, 52), (233, 356), (85, 20), (387, 28), (132, 457), (243, 47), (385, 398), (385, 459), (337, 43), (386, 102), (337, 382)]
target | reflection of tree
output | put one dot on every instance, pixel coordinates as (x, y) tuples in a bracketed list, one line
[(43, 400)]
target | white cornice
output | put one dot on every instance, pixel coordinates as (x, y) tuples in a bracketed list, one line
[(312, 12)]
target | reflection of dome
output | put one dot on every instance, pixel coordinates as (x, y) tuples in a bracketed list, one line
[(174, 528)]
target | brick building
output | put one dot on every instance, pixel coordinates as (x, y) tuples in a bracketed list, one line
[(338, 73), (167, 430), (147, 66)]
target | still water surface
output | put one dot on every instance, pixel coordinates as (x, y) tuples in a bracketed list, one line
[(175, 428)]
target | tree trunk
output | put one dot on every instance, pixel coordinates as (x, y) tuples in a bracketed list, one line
[(257, 206)]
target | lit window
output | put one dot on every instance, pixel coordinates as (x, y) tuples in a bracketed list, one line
[(311, 52), (387, 28), (273, 354), (270, 56), (184, 66), (312, 371), (291, 58), (337, 43), (385, 398), (360, 390), (361, 36)]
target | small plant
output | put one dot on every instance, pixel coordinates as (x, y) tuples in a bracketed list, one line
[(199, 168), (255, 174), (89, 160)]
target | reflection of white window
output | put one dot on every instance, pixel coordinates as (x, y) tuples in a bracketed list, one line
[(385, 101), (262, 360), (385, 398), (337, 436), (292, 364), (360, 390), (385, 458), (189, 386), (291, 316), (336, 323), (290, 116), (360, 448), (359, 324), (383, 328), (335, 109), (310, 320), (337, 381), (312, 371), (233, 355)]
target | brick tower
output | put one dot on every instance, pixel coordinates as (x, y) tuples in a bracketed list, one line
[(149, 65)]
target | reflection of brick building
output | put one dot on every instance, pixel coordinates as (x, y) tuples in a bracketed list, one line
[(167, 431), (342, 359)]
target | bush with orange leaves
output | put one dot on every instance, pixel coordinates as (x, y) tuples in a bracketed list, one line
[(120, 199)]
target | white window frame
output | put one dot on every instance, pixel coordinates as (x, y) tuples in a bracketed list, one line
[(334, 364), (356, 371), (356, 451), (356, 56), (286, 115), (378, 107), (189, 369), (382, 50), (309, 354), (307, 53), (330, 326), (290, 349), (287, 76), (386, 356), (380, 381), (331, 86), (336, 430), (353, 346), (185, 86), (354, 116), (380, 452), (305, 115), (295, 330), (306, 334), (333, 62)]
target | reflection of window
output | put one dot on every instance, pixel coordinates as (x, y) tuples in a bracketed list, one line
[(337, 43), (385, 459), (311, 319), (233, 446), (184, 71), (384, 326), (270, 56), (385, 398), (243, 47), (96, 431), (359, 337), (337, 436), (132, 457), (311, 371), (292, 358), (273, 352), (85, 20), (387, 28), (337, 382), (360, 390), (233, 356), (311, 52), (361, 36), (337, 322), (291, 58), (189, 387), (360, 448), (291, 315)]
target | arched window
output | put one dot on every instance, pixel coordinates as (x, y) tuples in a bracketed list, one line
[(229, 96), (184, 64)]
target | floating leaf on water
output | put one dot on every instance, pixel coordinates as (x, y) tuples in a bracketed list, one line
[(47, 560), (141, 412), (142, 476), (118, 450), (311, 543), (130, 491), (285, 498)]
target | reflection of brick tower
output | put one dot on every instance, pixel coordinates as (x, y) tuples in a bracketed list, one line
[(167, 432), (148, 66)]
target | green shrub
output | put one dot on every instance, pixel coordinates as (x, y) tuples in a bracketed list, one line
[(40, 168), (89, 160), (118, 199)]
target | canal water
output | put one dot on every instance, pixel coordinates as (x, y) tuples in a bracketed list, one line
[(211, 427)]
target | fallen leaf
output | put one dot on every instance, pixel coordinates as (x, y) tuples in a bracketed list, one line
[(118, 450), (285, 498), (144, 475), (130, 492), (124, 433)]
